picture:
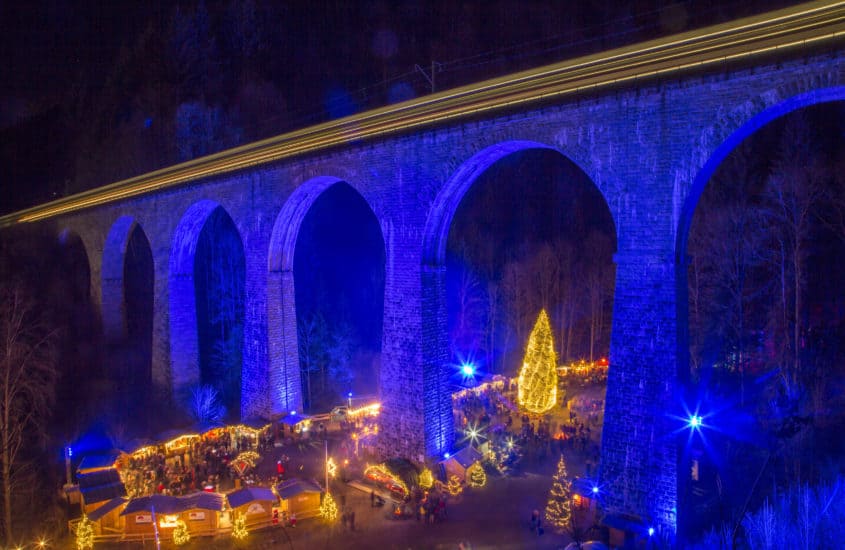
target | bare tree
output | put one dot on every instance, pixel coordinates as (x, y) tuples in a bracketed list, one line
[(795, 193), (27, 377)]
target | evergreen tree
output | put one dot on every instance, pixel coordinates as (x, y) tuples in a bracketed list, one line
[(558, 507), (538, 377)]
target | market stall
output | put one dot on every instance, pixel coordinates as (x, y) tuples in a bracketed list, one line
[(299, 497), (254, 503)]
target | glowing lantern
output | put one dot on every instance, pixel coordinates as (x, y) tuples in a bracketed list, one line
[(538, 376)]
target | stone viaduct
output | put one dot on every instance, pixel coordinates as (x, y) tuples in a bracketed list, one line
[(648, 124)]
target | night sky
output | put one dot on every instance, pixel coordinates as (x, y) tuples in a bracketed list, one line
[(79, 77)]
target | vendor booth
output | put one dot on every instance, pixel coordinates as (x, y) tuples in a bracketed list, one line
[(295, 424), (200, 512), (255, 503), (98, 483), (458, 463), (106, 519), (299, 497)]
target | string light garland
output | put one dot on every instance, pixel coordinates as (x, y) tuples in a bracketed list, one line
[(331, 468), (380, 474), (538, 376), (328, 508), (239, 531), (84, 534), (181, 535), (426, 479), (559, 507)]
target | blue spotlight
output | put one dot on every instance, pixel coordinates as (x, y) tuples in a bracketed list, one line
[(595, 490), (651, 531), (468, 369), (694, 421)]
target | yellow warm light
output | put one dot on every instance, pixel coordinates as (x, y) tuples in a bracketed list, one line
[(426, 480), (181, 535), (331, 468), (477, 476), (454, 486), (328, 509), (538, 378), (181, 442), (84, 534), (380, 473), (367, 410), (558, 507), (239, 530)]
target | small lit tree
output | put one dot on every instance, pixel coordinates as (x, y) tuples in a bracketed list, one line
[(454, 486), (538, 376), (328, 509), (84, 534), (559, 505), (239, 531), (426, 479), (181, 535), (477, 475)]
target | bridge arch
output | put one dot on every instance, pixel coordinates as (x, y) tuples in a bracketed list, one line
[(124, 234), (439, 427), (126, 286), (283, 350), (731, 139), (439, 221), (190, 363)]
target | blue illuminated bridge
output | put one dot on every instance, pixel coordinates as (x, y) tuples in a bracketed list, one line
[(648, 124)]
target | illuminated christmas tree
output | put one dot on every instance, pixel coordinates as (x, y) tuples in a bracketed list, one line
[(84, 534), (180, 533), (426, 479), (538, 376), (558, 507), (239, 531), (477, 475), (328, 509), (454, 486)]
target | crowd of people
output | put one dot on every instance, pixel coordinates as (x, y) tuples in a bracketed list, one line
[(204, 462)]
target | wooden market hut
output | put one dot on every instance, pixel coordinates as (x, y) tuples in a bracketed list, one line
[(256, 503), (299, 497), (295, 424), (458, 463), (107, 519), (200, 512), (98, 485)]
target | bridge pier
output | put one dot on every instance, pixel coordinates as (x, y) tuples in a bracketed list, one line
[(640, 452)]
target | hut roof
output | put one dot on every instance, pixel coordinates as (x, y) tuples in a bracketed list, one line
[(292, 487), (97, 478), (294, 419), (102, 493), (249, 494), (92, 463), (100, 486), (166, 504), (466, 457), (106, 508)]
